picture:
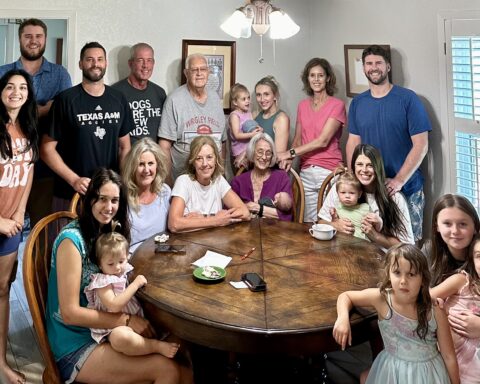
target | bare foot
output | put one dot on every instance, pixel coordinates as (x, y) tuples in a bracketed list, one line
[(167, 349), (11, 376)]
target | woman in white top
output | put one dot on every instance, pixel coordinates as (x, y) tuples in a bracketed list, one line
[(200, 195), (367, 164), (144, 173)]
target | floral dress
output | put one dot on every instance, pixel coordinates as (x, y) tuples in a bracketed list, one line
[(100, 280), (407, 359)]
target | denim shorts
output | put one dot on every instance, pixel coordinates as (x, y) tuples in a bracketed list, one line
[(9, 244), (69, 365)]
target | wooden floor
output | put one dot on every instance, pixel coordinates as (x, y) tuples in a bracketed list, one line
[(22, 349), (23, 353)]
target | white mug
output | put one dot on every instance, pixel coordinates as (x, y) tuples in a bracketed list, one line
[(322, 231)]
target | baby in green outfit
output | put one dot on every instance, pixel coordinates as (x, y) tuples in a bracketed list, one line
[(349, 191)]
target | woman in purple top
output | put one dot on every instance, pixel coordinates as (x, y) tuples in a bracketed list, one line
[(267, 192)]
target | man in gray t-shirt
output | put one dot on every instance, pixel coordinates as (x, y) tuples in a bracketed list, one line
[(191, 110), (145, 98)]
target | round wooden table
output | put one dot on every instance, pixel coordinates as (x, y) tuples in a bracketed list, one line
[(296, 314)]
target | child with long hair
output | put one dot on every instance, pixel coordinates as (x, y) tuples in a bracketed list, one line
[(108, 291), (462, 293), (410, 326), (349, 207), (241, 125), (454, 223)]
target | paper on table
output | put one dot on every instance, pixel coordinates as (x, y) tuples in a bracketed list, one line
[(213, 259), (238, 284)]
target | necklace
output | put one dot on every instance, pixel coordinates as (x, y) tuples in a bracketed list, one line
[(318, 102)]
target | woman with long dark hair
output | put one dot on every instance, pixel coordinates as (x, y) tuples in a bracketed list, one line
[(367, 165), (18, 151), (79, 358)]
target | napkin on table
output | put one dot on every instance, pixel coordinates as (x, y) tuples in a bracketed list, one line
[(213, 259)]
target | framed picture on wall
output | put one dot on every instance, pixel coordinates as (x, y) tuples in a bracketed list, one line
[(356, 81), (221, 62)]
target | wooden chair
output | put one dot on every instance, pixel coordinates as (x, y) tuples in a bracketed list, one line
[(327, 184), (74, 203), (36, 268), (298, 194)]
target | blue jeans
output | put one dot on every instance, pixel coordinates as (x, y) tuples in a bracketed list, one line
[(69, 365), (416, 203)]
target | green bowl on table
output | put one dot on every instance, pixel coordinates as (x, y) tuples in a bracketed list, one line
[(202, 276)]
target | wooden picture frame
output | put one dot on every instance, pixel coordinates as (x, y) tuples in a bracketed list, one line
[(355, 79), (221, 57)]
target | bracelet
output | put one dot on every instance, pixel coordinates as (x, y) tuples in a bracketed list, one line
[(128, 320), (260, 210)]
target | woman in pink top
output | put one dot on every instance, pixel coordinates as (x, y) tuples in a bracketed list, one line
[(18, 151), (320, 118)]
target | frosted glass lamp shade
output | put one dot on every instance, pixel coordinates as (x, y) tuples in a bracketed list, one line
[(237, 25), (282, 26)]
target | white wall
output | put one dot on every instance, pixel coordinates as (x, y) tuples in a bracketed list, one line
[(410, 27), (117, 24)]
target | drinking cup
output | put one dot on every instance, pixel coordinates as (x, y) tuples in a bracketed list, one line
[(322, 231)]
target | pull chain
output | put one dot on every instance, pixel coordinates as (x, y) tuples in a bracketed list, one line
[(260, 60)]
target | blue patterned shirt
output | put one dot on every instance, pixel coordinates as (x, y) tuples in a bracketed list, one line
[(48, 82)]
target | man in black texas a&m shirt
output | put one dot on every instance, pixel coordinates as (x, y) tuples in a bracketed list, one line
[(90, 125)]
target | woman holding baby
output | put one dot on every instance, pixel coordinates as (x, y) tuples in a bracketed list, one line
[(367, 166), (267, 192)]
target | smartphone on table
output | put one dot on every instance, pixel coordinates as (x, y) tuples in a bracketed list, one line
[(254, 282)]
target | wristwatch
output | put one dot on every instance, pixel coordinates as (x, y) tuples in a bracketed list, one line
[(260, 210), (293, 154)]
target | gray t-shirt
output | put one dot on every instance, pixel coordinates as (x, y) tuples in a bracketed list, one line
[(146, 106), (183, 119)]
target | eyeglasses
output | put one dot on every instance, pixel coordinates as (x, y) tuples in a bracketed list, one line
[(198, 70), (267, 154)]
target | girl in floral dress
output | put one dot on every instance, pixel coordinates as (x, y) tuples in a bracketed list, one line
[(410, 326), (108, 291)]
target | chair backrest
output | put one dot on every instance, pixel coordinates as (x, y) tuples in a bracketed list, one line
[(327, 184), (298, 194), (240, 170), (36, 268), (74, 207)]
